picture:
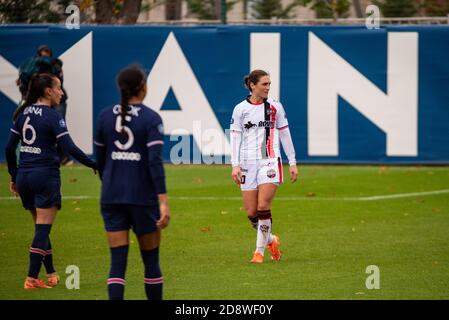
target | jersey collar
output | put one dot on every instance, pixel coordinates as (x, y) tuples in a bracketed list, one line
[(255, 104)]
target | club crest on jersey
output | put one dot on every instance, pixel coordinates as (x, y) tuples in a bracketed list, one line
[(271, 173), (270, 112), (160, 128), (62, 123), (232, 120)]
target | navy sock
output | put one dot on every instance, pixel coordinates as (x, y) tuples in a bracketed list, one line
[(48, 260), (38, 249), (116, 281), (153, 276)]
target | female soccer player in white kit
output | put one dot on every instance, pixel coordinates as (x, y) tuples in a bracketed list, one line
[(256, 126)]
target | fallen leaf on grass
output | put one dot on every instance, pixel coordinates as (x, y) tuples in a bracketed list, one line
[(383, 169), (198, 180), (310, 194), (73, 180), (205, 229)]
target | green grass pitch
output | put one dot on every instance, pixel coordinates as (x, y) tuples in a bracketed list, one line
[(330, 231)]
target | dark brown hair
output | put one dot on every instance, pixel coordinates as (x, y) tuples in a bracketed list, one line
[(130, 81), (36, 89), (254, 78)]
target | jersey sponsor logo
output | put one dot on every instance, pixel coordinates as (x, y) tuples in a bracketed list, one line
[(129, 156), (266, 124), (249, 125), (33, 150), (32, 109), (261, 124)]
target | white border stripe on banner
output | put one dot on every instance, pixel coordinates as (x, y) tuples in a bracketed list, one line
[(299, 198), (266, 55)]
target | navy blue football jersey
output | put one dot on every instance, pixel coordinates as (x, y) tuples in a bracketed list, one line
[(126, 163), (39, 128)]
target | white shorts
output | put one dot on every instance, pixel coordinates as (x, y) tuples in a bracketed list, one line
[(258, 172)]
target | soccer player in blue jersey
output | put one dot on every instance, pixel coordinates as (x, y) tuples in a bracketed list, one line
[(40, 130), (129, 139)]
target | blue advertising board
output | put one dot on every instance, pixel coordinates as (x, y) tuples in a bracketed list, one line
[(352, 95)]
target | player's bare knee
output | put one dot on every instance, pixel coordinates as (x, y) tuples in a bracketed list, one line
[(264, 206), (150, 241)]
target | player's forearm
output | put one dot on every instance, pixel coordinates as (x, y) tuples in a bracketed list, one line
[(100, 152), (156, 167), (10, 154), (236, 139), (69, 147), (163, 198), (287, 144)]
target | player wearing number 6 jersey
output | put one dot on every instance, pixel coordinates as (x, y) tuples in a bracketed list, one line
[(129, 139), (41, 130), (256, 125)]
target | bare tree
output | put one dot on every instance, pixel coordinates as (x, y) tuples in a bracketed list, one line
[(173, 9), (116, 11), (103, 11), (129, 12), (358, 8)]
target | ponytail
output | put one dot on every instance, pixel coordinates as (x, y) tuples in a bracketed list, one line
[(124, 101), (130, 81), (36, 89)]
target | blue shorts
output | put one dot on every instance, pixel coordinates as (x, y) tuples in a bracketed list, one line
[(119, 217), (39, 189)]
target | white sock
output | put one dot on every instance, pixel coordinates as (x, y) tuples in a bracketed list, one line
[(263, 234), (255, 225), (270, 238)]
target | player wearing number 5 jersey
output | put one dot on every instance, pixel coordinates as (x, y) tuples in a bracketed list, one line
[(129, 139), (256, 125), (41, 130)]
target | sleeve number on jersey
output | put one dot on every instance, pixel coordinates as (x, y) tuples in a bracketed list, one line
[(28, 127), (129, 133)]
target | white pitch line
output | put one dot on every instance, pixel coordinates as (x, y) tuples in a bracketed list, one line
[(405, 195), (302, 198)]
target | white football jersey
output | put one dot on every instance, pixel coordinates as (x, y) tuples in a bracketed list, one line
[(259, 124)]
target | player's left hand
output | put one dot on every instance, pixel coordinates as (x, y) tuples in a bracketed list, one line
[(13, 188), (293, 173), (165, 215)]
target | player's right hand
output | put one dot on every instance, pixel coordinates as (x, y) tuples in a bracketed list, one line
[(165, 215), (13, 188), (236, 174)]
